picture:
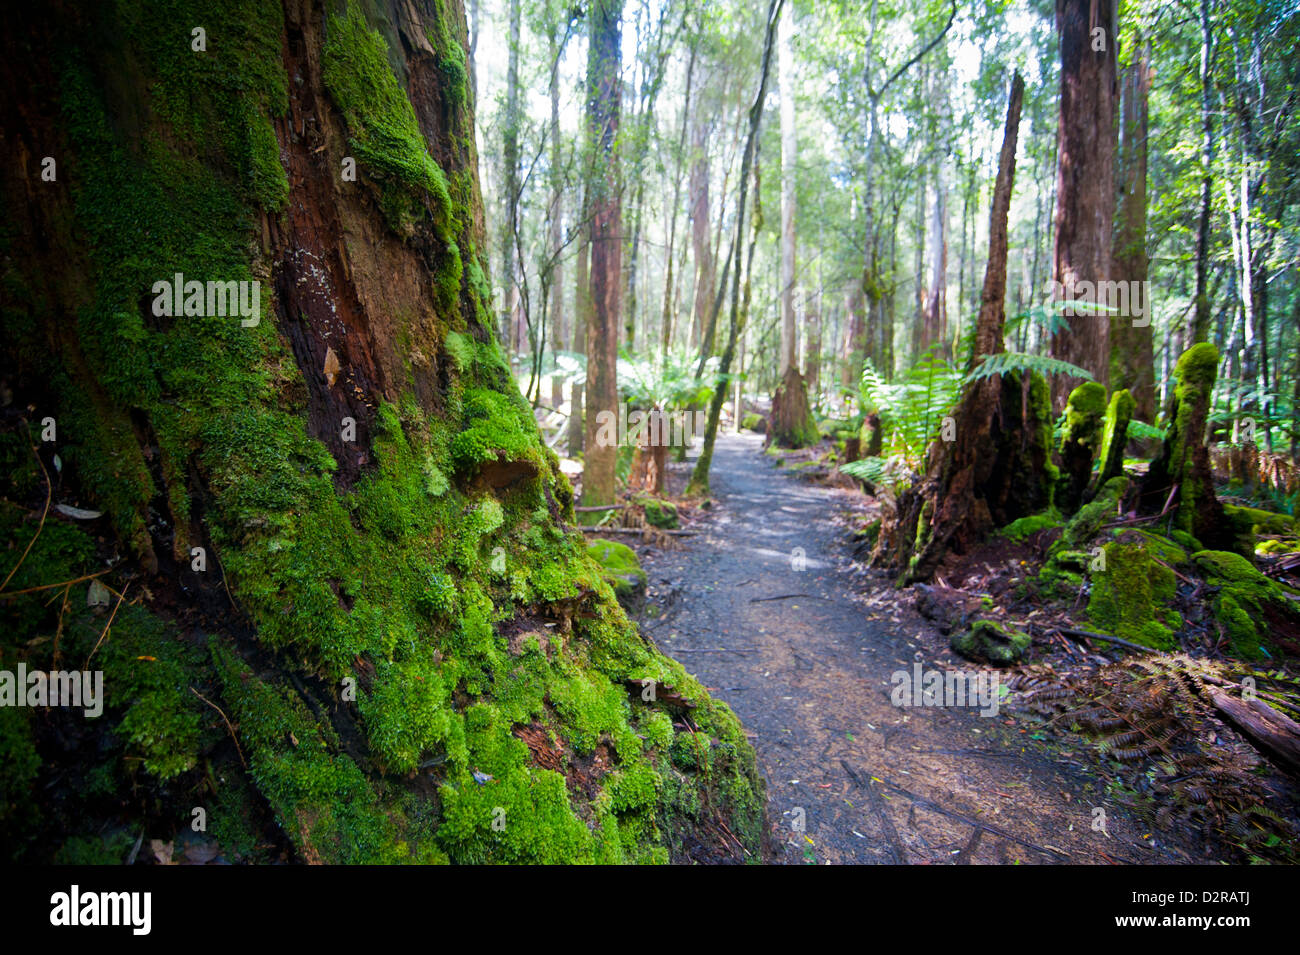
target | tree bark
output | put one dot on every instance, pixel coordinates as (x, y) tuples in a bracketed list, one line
[(1132, 351), (1085, 196), (604, 95)]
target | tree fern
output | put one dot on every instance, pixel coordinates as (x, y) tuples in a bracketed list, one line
[(912, 408), (1008, 361)]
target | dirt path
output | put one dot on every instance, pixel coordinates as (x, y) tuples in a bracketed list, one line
[(805, 658)]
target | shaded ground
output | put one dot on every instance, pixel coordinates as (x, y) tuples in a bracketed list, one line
[(805, 658)]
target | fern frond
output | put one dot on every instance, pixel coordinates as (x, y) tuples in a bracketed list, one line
[(1008, 361)]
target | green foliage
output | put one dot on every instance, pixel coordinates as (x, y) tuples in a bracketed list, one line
[(912, 407), (1004, 362)]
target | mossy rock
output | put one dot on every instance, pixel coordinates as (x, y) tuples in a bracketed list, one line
[(1129, 597), (662, 514), (753, 422), (619, 566), (1162, 548), (1114, 436), (1023, 527), (1249, 605), (992, 643), (1248, 523)]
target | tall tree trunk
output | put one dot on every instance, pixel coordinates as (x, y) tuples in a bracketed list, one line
[(789, 158), (556, 217), (1201, 323), (1132, 357), (581, 318), (703, 251), (604, 95), (304, 505), (669, 308), (699, 483), (510, 334), (1085, 195), (994, 471)]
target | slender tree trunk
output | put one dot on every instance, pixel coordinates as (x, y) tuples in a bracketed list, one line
[(1132, 361), (581, 317), (1201, 323), (703, 251), (1085, 196), (556, 218), (604, 94), (510, 160), (699, 483), (669, 309), (789, 157)]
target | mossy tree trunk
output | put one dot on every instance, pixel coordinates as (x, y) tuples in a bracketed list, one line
[(392, 647), (1181, 476)]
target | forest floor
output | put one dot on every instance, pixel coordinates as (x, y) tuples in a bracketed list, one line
[(805, 659)]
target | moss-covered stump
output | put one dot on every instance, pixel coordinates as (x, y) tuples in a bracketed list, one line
[(660, 513), (1184, 460), (1085, 414), (1070, 554), (1249, 523), (334, 521), (989, 642), (752, 421), (871, 436), (1254, 613), (1114, 437), (1130, 596), (792, 424), (998, 470), (618, 566)]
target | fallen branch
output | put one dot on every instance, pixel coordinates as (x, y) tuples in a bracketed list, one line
[(1273, 733), (228, 726), (1107, 637)]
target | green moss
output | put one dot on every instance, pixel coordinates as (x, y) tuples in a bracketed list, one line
[(496, 429), (1115, 435), (1247, 603), (989, 642), (660, 513), (1162, 548), (1248, 523), (1085, 413), (109, 849), (752, 422), (1023, 527), (1130, 595), (385, 135), (1066, 558)]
